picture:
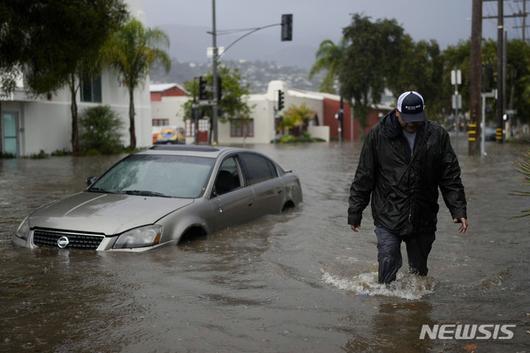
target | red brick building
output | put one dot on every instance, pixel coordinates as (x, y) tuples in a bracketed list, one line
[(331, 105), (166, 90)]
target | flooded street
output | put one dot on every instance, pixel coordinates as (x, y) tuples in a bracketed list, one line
[(296, 282)]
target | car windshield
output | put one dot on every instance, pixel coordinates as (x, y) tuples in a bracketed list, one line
[(157, 175)]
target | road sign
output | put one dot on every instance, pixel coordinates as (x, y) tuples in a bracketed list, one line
[(209, 51), (456, 77), (457, 101)]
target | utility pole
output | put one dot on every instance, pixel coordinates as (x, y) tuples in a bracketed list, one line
[(214, 78), (500, 70), (475, 77)]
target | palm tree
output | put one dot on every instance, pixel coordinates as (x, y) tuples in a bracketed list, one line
[(131, 51), (296, 118), (328, 57)]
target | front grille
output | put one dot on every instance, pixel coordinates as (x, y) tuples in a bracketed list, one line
[(75, 240)]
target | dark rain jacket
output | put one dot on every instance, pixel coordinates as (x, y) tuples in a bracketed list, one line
[(404, 188)]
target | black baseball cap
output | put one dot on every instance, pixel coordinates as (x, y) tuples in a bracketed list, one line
[(410, 104)]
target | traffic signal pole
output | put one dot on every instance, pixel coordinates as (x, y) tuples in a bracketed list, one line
[(500, 70), (286, 35), (215, 102), (475, 77)]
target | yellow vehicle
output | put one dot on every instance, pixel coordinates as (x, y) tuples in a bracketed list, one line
[(169, 136)]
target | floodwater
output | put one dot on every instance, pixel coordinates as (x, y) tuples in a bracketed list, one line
[(297, 282)]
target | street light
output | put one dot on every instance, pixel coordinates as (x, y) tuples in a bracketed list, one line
[(287, 34)]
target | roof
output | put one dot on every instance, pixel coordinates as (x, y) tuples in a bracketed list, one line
[(189, 150), (305, 94), (161, 87)]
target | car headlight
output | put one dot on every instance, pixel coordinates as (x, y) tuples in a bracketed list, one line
[(23, 229), (139, 237)]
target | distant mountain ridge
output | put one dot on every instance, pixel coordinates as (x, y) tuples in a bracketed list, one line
[(257, 74), (189, 43)]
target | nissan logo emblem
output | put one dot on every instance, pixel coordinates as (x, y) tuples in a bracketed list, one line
[(63, 242)]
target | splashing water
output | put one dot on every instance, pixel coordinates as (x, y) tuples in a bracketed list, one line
[(407, 286)]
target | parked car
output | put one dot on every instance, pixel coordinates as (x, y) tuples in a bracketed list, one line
[(170, 136), (490, 134), (157, 197)]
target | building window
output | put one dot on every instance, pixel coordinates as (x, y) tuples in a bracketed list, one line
[(242, 128), (160, 122), (91, 89), (204, 125)]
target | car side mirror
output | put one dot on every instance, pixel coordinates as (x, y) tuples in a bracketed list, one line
[(91, 180)]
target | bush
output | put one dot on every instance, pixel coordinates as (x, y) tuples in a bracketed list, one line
[(100, 131), (7, 155), (61, 153), (287, 139), (40, 155)]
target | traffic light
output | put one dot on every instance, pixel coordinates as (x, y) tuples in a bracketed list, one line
[(488, 78), (219, 88), (203, 95), (287, 27), (280, 100), (339, 115)]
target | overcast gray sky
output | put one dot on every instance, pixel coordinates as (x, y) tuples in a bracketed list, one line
[(447, 21)]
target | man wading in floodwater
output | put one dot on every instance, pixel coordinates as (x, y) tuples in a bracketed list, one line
[(404, 160)]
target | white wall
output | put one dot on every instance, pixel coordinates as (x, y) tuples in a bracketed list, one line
[(321, 132), (313, 103), (262, 113), (46, 124), (171, 108)]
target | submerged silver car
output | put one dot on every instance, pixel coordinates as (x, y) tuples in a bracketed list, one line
[(161, 195)]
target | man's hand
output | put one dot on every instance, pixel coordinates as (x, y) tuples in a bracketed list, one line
[(355, 228), (463, 224)]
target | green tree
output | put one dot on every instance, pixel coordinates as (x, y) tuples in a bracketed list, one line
[(232, 105), (372, 59), (89, 66), (329, 57), (49, 37), (518, 78), (421, 69), (517, 69), (131, 51)]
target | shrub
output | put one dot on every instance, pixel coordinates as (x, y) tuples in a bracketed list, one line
[(100, 131), (7, 155), (61, 153), (40, 155)]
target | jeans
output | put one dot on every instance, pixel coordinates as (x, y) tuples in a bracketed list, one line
[(389, 253)]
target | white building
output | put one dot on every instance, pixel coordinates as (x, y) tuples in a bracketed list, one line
[(31, 124), (261, 127), (167, 109), (167, 104)]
